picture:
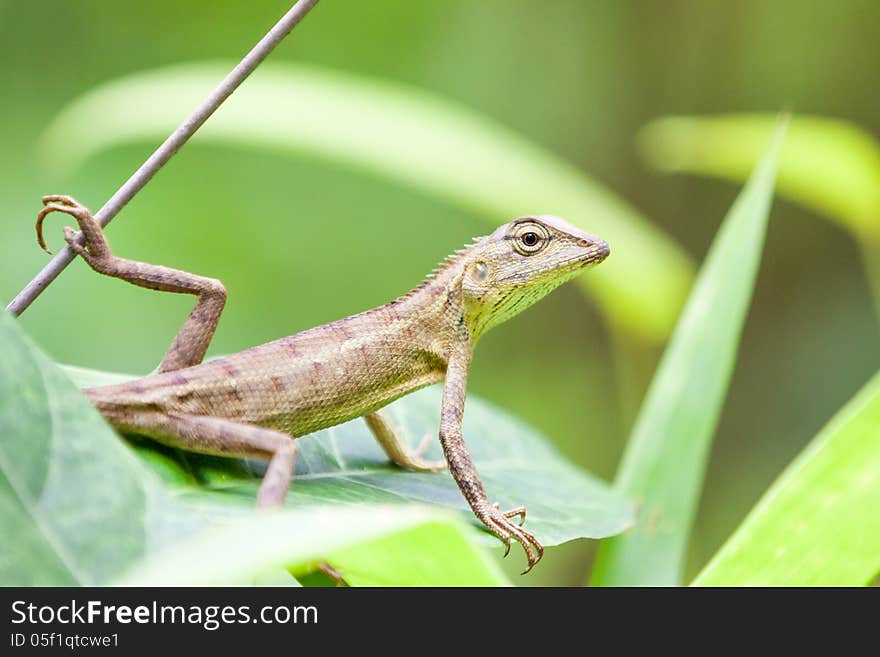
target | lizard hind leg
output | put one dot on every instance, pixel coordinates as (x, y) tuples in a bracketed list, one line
[(392, 443), (192, 340), (222, 437)]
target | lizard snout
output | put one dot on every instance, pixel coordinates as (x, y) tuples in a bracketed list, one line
[(597, 249)]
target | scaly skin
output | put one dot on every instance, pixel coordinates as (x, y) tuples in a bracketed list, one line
[(251, 403)]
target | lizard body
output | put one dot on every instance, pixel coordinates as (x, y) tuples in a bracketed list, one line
[(298, 384), (252, 402)]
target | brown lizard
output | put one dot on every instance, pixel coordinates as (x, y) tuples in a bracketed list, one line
[(249, 404)]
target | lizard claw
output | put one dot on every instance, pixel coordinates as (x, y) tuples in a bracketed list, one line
[(59, 203), (95, 245), (499, 524), (518, 511)]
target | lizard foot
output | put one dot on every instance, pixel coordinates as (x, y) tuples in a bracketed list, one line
[(499, 523), (513, 513), (95, 245), (390, 440), (424, 465)]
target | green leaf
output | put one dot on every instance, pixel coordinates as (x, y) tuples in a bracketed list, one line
[(277, 577), (407, 135), (257, 546), (410, 559), (829, 165), (344, 465), (81, 507), (85, 510), (390, 545), (817, 524), (665, 459)]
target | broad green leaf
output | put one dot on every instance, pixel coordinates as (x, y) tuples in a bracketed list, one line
[(410, 559), (665, 459), (83, 509), (344, 465), (429, 548), (826, 164), (817, 525), (407, 135), (276, 577), (78, 507)]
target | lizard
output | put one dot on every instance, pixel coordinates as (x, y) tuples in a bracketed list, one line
[(251, 404)]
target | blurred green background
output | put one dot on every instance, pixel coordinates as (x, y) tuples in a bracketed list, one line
[(300, 241)]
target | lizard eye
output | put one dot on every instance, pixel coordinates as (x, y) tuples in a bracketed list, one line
[(529, 239)]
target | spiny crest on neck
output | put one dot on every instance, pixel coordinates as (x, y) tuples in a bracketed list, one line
[(442, 266)]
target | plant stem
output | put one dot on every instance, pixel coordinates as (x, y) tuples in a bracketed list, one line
[(168, 148)]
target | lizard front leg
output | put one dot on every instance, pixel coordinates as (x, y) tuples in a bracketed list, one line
[(462, 467), (192, 340), (207, 435)]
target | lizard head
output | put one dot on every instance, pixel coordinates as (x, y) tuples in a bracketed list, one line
[(520, 263)]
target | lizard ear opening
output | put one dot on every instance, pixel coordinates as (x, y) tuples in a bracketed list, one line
[(481, 272)]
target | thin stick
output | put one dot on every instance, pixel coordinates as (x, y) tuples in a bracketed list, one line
[(171, 145)]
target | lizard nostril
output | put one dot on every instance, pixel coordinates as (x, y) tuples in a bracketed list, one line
[(584, 242)]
